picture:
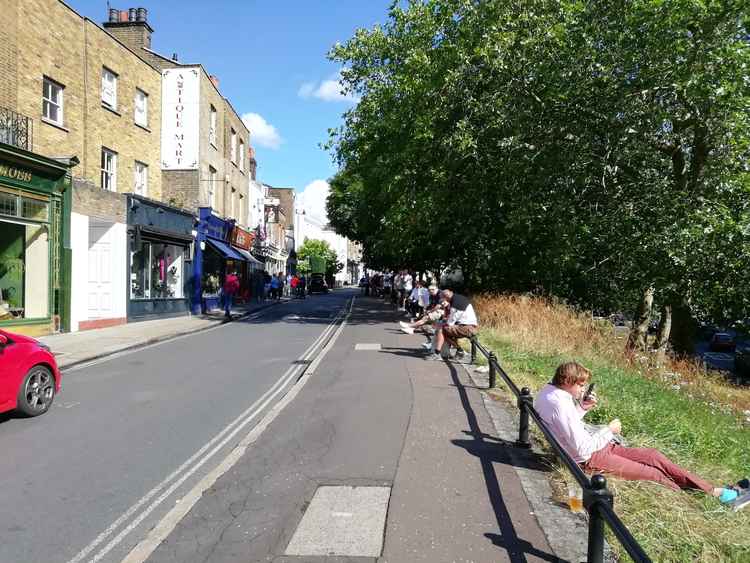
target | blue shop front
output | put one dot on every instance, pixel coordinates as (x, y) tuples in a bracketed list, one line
[(214, 256), (161, 240)]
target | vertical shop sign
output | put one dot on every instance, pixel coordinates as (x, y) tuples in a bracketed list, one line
[(180, 118)]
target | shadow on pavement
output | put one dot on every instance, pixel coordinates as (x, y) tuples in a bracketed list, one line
[(489, 453)]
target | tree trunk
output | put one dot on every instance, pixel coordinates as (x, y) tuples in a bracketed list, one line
[(639, 330), (662, 336)]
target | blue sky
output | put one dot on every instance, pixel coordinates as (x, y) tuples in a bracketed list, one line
[(270, 59)]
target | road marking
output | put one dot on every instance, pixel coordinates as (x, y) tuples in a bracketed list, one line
[(232, 428), (367, 346), (167, 524)]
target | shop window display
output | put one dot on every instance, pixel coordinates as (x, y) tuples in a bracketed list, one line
[(156, 271), (24, 271)]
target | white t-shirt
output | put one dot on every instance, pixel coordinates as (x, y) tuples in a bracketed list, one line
[(407, 281)]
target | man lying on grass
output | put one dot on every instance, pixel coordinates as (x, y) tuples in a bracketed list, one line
[(562, 406)]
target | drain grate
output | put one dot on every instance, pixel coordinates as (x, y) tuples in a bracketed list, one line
[(342, 520)]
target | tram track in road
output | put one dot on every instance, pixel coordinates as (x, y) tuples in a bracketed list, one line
[(283, 392)]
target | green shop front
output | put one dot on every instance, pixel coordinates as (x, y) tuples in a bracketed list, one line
[(34, 246)]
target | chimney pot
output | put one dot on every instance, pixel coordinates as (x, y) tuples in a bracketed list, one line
[(114, 14), (141, 15), (131, 14), (123, 15)]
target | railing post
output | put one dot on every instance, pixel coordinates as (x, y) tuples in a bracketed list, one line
[(592, 499), (524, 402), (473, 350), (493, 375)]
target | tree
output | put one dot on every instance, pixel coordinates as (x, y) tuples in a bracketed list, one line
[(589, 150), (318, 249)]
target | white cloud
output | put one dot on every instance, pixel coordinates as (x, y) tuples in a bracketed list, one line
[(313, 199), (328, 90), (262, 133)]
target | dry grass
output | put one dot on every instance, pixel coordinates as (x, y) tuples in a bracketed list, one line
[(553, 328), (694, 417)]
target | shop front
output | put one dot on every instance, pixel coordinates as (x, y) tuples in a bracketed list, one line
[(214, 257), (160, 238), (34, 242)]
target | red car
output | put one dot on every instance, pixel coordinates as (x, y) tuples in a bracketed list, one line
[(29, 377)]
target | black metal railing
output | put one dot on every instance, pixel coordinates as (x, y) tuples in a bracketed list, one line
[(597, 499), (16, 129)]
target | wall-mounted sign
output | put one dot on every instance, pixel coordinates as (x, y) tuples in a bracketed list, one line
[(180, 118), (242, 239), (15, 173)]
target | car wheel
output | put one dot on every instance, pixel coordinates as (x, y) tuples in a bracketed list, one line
[(37, 391)]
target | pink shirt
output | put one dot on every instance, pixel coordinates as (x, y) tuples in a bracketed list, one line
[(564, 417)]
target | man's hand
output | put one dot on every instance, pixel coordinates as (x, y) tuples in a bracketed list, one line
[(589, 402), (616, 426)]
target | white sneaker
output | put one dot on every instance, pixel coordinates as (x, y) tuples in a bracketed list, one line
[(407, 329), (427, 345), (403, 324)]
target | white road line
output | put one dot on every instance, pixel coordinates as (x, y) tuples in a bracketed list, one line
[(250, 413), (161, 531)]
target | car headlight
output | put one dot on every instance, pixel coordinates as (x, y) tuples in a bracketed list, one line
[(43, 346)]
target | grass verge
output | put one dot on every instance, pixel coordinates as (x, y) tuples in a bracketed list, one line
[(700, 424)]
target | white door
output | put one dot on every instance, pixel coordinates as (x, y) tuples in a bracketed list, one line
[(100, 272)]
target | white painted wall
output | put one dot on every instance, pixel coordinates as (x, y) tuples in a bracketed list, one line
[(79, 240)]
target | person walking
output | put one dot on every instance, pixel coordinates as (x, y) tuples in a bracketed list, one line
[(274, 286), (231, 286)]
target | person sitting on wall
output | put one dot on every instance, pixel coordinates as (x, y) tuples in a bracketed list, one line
[(562, 406), (462, 323)]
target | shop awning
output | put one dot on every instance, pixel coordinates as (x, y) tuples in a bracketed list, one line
[(250, 258), (225, 250)]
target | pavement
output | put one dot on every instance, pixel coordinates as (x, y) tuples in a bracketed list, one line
[(378, 455), (74, 348)]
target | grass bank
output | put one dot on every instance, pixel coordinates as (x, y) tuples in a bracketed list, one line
[(694, 417)]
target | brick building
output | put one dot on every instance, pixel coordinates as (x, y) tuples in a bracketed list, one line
[(90, 96)]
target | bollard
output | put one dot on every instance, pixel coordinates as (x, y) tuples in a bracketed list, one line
[(524, 402), (592, 499), (473, 350), (493, 375)]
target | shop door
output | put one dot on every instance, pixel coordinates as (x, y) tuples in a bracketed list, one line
[(100, 272)]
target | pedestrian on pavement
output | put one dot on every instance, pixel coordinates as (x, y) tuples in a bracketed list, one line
[(462, 323), (274, 286), (407, 284), (294, 285), (563, 403), (302, 286), (288, 285), (231, 286)]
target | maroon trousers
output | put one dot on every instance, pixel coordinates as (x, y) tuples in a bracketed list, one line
[(644, 464)]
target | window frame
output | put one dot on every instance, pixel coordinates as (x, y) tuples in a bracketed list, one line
[(60, 105), (144, 170), (143, 123), (115, 76), (212, 121), (112, 174), (241, 163), (233, 145), (212, 174)]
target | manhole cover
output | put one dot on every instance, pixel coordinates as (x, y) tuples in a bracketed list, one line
[(347, 521), (367, 346)]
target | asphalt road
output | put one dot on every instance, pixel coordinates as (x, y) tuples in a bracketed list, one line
[(129, 436)]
